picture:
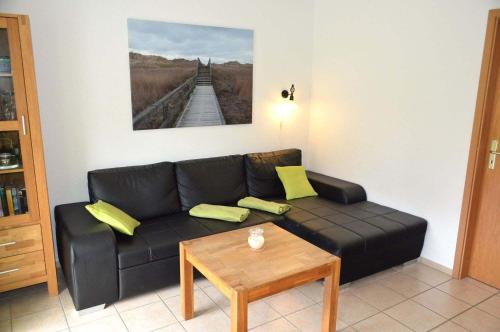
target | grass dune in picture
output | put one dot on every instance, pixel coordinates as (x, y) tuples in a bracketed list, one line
[(187, 75)]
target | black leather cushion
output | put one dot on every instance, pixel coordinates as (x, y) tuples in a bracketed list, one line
[(218, 180), (142, 191), (262, 179), (335, 189), (156, 239), (159, 238), (350, 230)]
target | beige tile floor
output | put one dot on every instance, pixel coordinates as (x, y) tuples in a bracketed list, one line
[(413, 297)]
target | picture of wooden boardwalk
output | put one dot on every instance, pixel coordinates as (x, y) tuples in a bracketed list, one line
[(185, 75), (203, 107)]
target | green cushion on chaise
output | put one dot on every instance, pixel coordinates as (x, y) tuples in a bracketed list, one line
[(295, 182)]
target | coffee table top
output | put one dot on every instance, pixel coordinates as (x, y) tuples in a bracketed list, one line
[(227, 259)]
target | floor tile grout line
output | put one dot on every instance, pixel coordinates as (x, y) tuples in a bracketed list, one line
[(472, 305), (272, 320), (284, 317), (447, 321), (411, 299), (173, 314), (486, 299), (216, 302), (461, 312), (64, 311), (407, 275), (90, 321), (367, 303), (381, 312), (430, 268), (445, 318), (168, 326), (139, 306), (400, 322), (121, 318), (476, 306), (279, 313), (144, 305), (435, 287), (30, 313)]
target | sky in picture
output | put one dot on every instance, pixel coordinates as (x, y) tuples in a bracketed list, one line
[(175, 40)]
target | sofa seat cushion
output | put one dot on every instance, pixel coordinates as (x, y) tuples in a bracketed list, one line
[(348, 230), (159, 238), (255, 218), (154, 239)]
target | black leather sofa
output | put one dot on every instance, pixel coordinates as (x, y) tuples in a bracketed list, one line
[(102, 266)]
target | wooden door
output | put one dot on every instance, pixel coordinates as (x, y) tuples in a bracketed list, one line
[(479, 254)]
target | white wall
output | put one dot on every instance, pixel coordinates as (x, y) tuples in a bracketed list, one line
[(393, 98), (81, 57)]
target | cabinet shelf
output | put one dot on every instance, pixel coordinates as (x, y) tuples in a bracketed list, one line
[(13, 170), (9, 125), (5, 74)]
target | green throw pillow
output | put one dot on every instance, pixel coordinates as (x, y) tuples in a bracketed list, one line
[(113, 216), (295, 181)]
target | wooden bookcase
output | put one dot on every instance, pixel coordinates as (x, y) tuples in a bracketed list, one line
[(26, 246)]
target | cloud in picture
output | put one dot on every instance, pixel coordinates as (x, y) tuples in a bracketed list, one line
[(187, 41)]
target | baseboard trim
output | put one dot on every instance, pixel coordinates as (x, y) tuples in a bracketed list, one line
[(435, 265)]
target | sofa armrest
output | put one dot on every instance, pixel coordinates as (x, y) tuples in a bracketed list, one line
[(88, 256), (335, 189)]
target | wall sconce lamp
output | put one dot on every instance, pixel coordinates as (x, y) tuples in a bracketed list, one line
[(285, 93)]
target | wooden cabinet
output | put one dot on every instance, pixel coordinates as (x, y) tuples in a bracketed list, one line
[(26, 247)]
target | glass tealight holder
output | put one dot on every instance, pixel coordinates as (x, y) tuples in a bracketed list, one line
[(256, 238)]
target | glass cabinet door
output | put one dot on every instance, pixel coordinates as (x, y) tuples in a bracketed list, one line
[(17, 182), (7, 102)]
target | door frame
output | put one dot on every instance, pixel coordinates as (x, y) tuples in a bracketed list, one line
[(478, 149)]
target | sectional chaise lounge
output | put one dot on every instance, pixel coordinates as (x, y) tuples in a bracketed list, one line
[(101, 266)]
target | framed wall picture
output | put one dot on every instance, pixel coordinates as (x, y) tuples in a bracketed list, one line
[(185, 75)]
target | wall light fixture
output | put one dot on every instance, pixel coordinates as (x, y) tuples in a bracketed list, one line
[(286, 93)]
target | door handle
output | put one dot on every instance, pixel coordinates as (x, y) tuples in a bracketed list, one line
[(23, 123), (9, 271), (493, 154)]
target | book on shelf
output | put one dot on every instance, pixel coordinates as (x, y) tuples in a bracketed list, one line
[(1, 204), (3, 201), (13, 200), (10, 202)]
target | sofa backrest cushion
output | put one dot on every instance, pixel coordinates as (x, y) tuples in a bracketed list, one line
[(144, 192), (218, 180), (262, 179)]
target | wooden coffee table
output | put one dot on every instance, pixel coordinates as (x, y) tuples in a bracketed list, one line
[(245, 275)]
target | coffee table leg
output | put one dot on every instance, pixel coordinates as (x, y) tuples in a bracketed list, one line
[(187, 292), (330, 299), (239, 311)]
